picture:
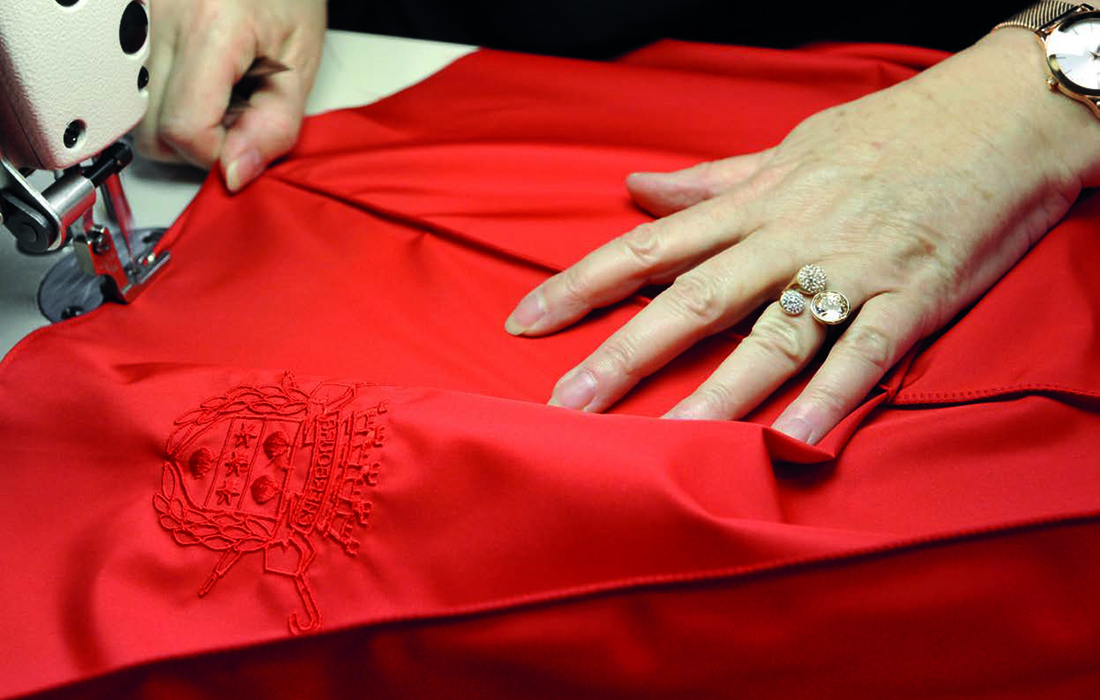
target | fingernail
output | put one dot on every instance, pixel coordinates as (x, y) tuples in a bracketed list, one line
[(575, 390), (243, 170), (526, 314), (794, 427)]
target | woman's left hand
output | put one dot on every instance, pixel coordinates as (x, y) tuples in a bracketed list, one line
[(914, 200)]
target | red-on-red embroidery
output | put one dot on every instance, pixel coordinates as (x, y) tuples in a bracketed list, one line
[(273, 470)]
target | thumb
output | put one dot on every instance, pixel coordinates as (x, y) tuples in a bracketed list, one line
[(662, 194), (265, 130)]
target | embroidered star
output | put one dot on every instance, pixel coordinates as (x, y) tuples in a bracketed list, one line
[(235, 464), (227, 492), (245, 437)]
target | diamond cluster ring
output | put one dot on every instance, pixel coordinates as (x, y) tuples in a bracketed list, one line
[(827, 306)]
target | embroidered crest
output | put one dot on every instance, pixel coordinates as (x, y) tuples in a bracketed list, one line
[(274, 470)]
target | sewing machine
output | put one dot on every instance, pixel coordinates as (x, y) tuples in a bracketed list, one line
[(74, 80), (75, 61)]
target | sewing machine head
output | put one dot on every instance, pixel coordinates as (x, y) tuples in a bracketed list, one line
[(73, 80)]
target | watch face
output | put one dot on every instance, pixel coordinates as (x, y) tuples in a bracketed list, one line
[(1073, 50)]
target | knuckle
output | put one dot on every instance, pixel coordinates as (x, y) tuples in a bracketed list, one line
[(285, 126), (905, 244), (619, 358), (645, 245), (871, 344), (928, 246), (717, 399), (278, 139), (778, 339), (831, 401), (573, 287), (714, 177), (698, 297)]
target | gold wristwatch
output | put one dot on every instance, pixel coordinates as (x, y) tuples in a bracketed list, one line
[(1070, 34)]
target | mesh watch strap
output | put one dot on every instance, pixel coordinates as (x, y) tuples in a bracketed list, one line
[(1041, 14)]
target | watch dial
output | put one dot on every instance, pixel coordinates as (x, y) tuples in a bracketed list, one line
[(1076, 49)]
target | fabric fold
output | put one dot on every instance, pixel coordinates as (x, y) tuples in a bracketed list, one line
[(310, 451)]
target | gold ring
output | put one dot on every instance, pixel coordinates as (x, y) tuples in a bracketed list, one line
[(810, 280), (827, 306)]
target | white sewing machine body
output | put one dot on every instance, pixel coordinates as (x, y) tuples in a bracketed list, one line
[(72, 78)]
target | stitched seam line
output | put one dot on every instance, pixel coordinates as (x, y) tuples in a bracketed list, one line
[(904, 398)]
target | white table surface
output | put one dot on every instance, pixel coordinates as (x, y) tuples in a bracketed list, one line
[(356, 69)]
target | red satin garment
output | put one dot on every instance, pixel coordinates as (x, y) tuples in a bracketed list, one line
[(316, 420)]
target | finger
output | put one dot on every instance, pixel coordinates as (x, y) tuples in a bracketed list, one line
[(778, 347), (653, 252), (210, 57), (706, 300), (880, 334), (662, 194), (265, 130)]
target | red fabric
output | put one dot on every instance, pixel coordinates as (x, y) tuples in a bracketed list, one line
[(459, 538)]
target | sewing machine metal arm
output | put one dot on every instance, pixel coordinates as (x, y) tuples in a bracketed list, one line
[(46, 221)]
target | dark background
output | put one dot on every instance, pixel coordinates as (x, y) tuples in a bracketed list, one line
[(606, 28)]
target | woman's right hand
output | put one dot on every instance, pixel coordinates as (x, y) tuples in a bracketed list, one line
[(201, 48)]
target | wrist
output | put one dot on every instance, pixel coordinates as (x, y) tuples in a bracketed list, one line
[(1058, 130)]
